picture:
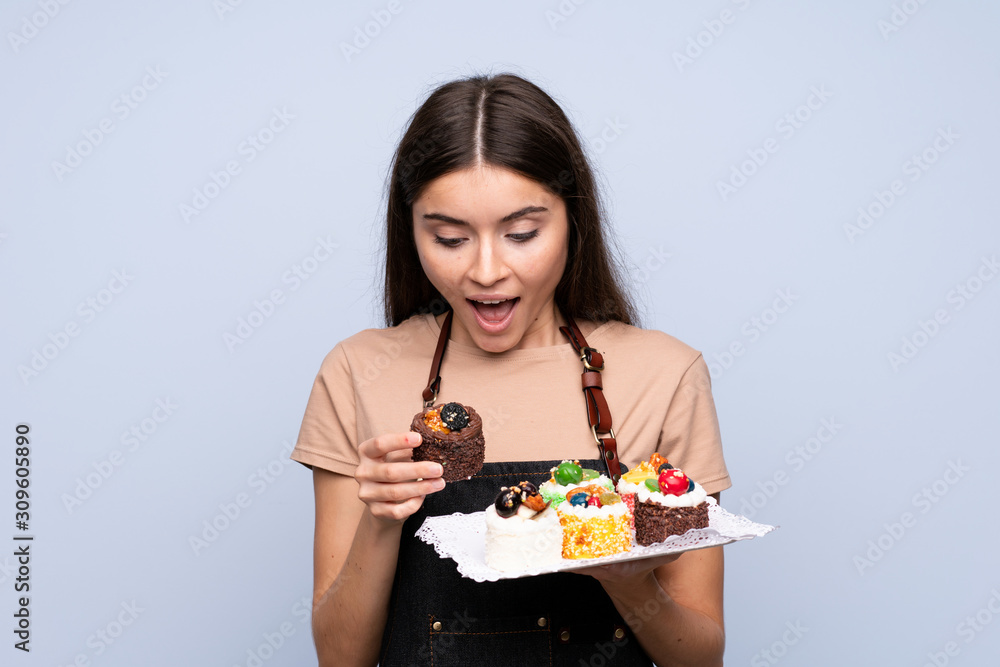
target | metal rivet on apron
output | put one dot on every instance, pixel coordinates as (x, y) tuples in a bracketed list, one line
[(619, 633), (542, 622), (436, 626), (564, 636)]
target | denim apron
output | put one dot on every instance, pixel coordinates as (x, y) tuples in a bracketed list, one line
[(437, 617)]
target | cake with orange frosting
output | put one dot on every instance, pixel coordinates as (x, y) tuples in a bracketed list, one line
[(452, 435), (595, 521)]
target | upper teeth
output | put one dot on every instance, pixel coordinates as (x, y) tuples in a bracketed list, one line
[(491, 302)]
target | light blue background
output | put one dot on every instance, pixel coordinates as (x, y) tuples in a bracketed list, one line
[(662, 132)]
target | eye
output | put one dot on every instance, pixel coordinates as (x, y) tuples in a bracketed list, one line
[(449, 243), (521, 237)]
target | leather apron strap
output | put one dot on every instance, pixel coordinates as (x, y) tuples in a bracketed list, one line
[(598, 413), (434, 379)]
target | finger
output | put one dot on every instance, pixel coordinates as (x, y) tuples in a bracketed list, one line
[(379, 446), (403, 471), (405, 454), (396, 511), (626, 569), (590, 570), (399, 492)]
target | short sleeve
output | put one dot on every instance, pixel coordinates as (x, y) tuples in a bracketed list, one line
[(690, 437), (328, 435)]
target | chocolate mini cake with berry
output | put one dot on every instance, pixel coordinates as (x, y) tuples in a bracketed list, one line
[(522, 531), (667, 502), (452, 435)]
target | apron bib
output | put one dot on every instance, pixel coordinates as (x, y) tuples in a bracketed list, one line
[(437, 617)]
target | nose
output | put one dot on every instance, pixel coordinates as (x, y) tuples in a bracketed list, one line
[(488, 267)]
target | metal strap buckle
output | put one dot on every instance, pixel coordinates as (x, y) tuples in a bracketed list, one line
[(593, 429), (434, 387), (585, 356)]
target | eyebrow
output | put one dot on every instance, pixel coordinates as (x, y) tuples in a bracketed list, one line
[(527, 210)]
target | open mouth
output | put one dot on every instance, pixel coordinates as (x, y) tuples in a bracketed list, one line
[(493, 315)]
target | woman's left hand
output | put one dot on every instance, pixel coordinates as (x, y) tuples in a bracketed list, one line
[(628, 573)]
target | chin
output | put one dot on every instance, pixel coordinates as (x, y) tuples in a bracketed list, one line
[(496, 344)]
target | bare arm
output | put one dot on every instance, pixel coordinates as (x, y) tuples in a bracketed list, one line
[(673, 605), (358, 525)]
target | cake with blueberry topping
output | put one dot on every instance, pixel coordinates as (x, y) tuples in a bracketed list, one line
[(595, 521), (569, 475), (522, 531), (452, 435), (667, 502)]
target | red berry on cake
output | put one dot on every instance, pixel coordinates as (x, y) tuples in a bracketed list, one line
[(673, 482), (667, 502)]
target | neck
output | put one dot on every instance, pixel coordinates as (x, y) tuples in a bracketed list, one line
[(544, 332)]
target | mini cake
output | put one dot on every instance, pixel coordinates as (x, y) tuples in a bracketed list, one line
[(667, 502), (522, 531), (453, 436), (630, 481), (569, 475), (594, 519), (595, 523)]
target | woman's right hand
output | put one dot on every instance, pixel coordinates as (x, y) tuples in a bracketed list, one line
[(391, 484), (357, 544)]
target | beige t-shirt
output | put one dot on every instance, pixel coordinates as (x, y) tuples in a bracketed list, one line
[(531, 401)]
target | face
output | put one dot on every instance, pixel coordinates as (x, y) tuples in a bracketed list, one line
[(494, 243)]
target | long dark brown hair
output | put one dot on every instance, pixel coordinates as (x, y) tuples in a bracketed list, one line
[(503, 121)]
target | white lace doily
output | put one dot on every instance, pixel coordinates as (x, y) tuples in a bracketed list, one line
[(462, 537)]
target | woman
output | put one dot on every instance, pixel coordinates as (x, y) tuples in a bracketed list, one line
[(495, 231)]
